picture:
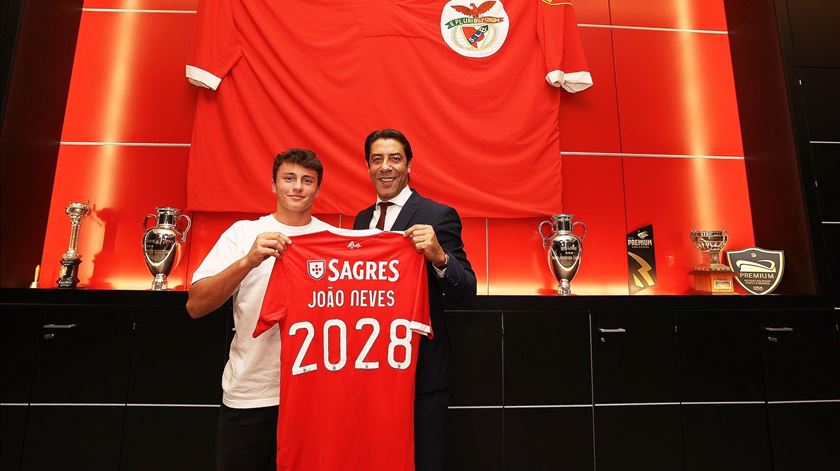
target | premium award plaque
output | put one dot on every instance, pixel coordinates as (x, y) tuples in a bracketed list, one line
[(714, 277), (564, 249), (69, 275), (758, 271), (162, 243)]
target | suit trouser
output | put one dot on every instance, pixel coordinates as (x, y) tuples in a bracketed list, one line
[(430, 411), (246, 439)]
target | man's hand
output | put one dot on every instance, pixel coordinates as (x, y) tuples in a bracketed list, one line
[(267, 244), (425, 241)]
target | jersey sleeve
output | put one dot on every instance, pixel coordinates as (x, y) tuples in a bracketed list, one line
[(276, 300), (421, 321), (215, 46), (565, 62)]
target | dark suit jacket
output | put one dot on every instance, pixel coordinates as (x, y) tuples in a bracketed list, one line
[(458, 283)]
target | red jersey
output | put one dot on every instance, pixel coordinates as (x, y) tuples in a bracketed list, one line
[(474, 88), (350, 309)]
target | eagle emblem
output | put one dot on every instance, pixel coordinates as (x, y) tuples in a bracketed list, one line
[(474, 30)]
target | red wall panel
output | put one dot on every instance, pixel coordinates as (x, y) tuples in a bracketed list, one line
[(589, 119), (143, 4), (678, 195), (593, 190), (593, 11), (128, 80), (676, 93), (123, 185), (683, 14)]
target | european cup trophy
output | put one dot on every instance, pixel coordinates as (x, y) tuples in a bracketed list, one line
[(69, 275), (714, 277), (162, 244), (564, 249)]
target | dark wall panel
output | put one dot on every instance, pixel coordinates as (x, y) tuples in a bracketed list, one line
[(815, 34)]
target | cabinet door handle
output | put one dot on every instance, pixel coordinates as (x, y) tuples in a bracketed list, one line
[(619, 330), (59, 326), (778, 329)]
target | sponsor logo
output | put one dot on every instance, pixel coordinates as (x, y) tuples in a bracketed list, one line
[(316, 269), (641, 259), (474, 30), (354, 245), (758, 271)]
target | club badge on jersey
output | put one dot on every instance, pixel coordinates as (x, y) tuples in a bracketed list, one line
[(474, 31)]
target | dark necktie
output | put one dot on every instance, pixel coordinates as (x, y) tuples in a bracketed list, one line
[(383, 210)]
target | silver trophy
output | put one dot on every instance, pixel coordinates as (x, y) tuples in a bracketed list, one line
[(712, 242), (69, 275), (162, 243), (564, 249)]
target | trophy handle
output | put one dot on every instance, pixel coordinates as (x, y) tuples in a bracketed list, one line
[(146, 220), (582, 236), (187, 228), (542, 236)]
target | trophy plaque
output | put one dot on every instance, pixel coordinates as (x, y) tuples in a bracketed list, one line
[(564, 249), (714, 277), (69, 273), (162, 243)]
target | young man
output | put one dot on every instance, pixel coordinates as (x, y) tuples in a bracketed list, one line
[(239, 265), (435, 230)]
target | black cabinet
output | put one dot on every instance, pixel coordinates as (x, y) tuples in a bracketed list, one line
[(724, 425), (637, 415), (474, 439), (546, 358), (476, 345), (12, 426), (802, 378), (548, 438), (169, 438), (73, 437)]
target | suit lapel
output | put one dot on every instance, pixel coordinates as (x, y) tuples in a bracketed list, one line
[(363, 220), (407, 212)]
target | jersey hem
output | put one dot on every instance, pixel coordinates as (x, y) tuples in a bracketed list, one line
[(253, 404)]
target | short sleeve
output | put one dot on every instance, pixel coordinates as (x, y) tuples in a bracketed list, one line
[(215, 46), (276, 300), (559, 37), (222, 255)]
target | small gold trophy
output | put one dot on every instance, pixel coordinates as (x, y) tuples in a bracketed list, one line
[(714, 277), (68, 277)]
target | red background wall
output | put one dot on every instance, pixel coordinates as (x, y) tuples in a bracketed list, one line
[(655, 141)]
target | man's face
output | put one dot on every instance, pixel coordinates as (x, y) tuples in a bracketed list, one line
[(296, 187), (388, 167)]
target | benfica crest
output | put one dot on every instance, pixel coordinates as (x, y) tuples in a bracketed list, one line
[(757, 270), (315, 269), (474, 30)]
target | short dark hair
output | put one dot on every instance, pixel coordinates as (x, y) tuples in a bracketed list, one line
[(298, 156), (387, 134)]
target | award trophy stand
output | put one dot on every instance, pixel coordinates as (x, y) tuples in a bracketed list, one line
[(714, 277), (564, 250), (162, 244), (69, 274)]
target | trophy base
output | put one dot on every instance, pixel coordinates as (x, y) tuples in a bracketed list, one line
[(708, 281), (68, 278), (159, 283)]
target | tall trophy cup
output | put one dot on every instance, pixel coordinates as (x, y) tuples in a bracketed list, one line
[(714, 277), (564, 249), (162, 243), (69, 274)]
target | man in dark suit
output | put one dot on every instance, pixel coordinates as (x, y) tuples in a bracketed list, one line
[(435, 230)]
